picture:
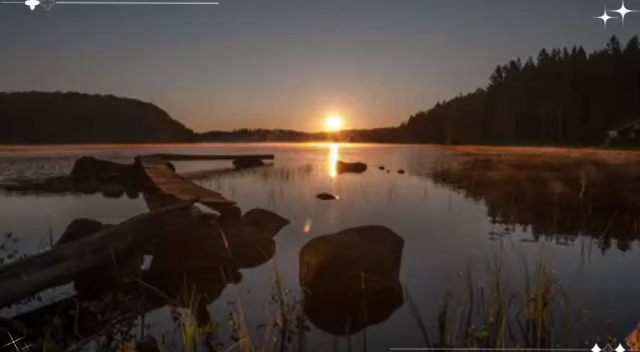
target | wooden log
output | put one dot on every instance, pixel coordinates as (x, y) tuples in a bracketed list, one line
[(61, 265), (192, 157)]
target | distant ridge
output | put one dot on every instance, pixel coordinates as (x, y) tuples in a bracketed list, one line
[(69, 117)]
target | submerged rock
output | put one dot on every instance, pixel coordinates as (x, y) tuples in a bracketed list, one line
[(380, 167), (326, 196), (401, 171), (350, 279), (244, 163), (345, 167)]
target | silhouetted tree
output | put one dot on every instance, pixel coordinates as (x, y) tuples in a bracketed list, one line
[(565, 96)]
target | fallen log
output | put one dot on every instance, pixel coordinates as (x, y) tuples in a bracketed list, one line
[(210, 266), (61, 265)]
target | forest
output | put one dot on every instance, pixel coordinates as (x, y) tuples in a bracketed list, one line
[(69, 117), (565, 96)]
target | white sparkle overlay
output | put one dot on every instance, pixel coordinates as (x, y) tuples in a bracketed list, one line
[(623, 11), (605, 17), (47, 4)]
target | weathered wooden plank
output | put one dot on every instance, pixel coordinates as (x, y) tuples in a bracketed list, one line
[(62, 264), (193, 157), (167, 181)]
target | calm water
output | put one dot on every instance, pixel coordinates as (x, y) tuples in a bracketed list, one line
[(445, 232)]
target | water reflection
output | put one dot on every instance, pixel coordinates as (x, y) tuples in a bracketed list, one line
[(556, 198), (333, 159)]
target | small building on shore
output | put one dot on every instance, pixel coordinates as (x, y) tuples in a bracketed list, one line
[(626, 134)]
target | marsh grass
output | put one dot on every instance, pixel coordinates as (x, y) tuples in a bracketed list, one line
[(504, 312)]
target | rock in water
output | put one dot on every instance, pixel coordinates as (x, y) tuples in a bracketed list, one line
[(401, 171), (251, 239), (88, 168), (264, 221), (344, 167), (244, 163), (350, 279), (326, 196), (380, 167), (79, 228), (112, 190), (90, 174)]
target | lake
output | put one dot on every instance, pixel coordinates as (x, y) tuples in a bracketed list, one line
[(461, 221)]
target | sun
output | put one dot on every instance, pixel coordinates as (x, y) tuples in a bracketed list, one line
[(333, 123)]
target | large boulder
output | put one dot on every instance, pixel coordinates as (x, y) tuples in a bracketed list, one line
[(350, 279)]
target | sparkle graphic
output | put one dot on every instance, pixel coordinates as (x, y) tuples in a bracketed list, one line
[(597, 348), (13, 343), (32, 4), (47, 4), (623, 11), (620, 348), (605, 17)]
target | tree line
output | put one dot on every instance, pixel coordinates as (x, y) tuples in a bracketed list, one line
[(563, 97)]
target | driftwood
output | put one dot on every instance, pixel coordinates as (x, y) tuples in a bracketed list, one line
[(62, 264)]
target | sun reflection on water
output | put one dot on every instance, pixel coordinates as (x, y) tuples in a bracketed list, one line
[(333, 160)]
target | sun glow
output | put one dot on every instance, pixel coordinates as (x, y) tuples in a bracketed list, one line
[(333, 123)]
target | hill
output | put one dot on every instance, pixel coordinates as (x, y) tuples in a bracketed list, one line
[(55, 118), (563, 97)]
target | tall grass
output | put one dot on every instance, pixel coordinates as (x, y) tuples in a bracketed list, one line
[(503, 313)]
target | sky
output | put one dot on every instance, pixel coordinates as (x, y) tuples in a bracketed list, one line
[(290, 63)]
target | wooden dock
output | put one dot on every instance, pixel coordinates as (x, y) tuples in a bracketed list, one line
[(170, 184)]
